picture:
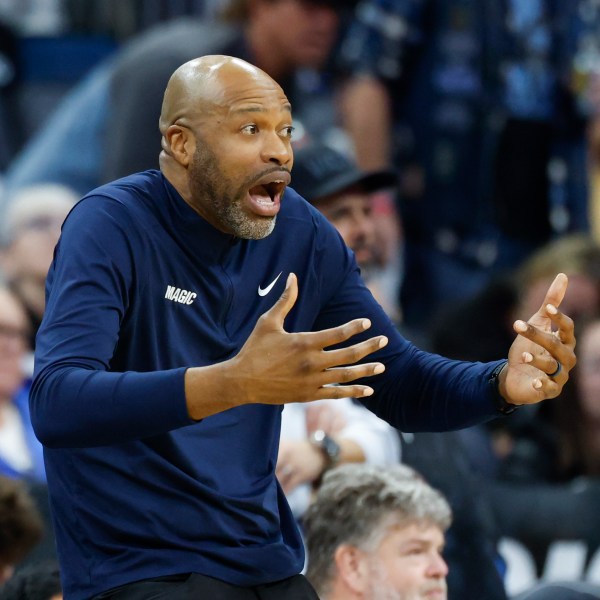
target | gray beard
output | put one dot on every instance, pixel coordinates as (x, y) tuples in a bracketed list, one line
[(243, 226)]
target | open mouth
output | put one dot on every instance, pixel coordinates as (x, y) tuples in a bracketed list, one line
[(265, 197), (268, 192)]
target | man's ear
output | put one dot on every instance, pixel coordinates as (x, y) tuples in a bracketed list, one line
[(352, 568), (180, 143)]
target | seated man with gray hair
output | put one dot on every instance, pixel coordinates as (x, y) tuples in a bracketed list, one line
[(377, 534)]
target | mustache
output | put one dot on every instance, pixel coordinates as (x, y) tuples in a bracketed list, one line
[(265, 172)]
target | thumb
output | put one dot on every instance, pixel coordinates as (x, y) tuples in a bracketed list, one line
[(286, 301)]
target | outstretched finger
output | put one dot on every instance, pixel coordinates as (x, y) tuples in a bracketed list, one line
[(352, 354), (336, 335), (335, 392), (341, 375), (556, 292), (279, 311)]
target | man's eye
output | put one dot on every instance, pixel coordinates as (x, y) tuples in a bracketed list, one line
[(250, 129), (287, 132)]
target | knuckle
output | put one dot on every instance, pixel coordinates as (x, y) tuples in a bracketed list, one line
[(335, 392), (353, 354), (348, 373)]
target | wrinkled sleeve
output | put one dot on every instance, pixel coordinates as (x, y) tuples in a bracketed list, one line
[(76, 400)]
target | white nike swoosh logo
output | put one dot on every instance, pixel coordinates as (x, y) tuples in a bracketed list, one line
[(265, 291)]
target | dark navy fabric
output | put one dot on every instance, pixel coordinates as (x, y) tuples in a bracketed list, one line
[(138, 490)]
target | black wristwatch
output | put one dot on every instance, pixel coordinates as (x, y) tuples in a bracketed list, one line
[(328, 446)]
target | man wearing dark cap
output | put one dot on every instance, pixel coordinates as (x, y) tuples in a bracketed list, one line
[(342, 192), (333, 183)]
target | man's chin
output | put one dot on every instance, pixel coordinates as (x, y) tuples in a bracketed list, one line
[(255, 229), (365, 261)]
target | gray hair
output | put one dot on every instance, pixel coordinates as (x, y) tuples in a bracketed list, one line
[(357, 503)]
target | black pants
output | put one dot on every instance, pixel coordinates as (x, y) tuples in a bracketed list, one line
[(199, 587)]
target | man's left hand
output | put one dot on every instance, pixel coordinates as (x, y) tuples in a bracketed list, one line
[(543, 352)]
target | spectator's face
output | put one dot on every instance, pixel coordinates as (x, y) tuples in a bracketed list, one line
[(350, 213), (408, 565), (30, 253), (589, 371), (301, 31), (13, 344), (243, 156)]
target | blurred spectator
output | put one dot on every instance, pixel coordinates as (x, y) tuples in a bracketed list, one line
[(376, 533), (20, 451), (490, 313), (291, 40), (320, 435), (535, 470), (482, 108), (481, 328), (556, 454), (580, 437), (40, 581), (20, 525), (476, 569), (35, 17), (334, 184), (30, 230)]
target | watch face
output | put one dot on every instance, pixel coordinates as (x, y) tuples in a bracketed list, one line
[(327, 445), (331, 447)]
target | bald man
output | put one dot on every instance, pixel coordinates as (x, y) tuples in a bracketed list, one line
[(185, 307)]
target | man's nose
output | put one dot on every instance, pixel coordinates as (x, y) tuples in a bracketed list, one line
[(276, 150), (438, 566)]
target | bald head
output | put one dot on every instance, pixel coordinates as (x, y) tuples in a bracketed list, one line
[(202, 85)]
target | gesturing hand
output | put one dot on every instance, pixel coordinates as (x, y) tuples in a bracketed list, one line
[(543, 352), (277, 367)]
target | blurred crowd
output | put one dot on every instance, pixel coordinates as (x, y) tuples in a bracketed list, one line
[(455, 145)]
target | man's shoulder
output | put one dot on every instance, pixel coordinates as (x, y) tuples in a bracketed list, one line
[(137, 192)]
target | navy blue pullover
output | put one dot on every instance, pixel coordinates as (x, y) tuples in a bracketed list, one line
[(142, 288)]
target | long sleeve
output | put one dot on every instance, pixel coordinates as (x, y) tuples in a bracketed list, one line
[(77, 398)]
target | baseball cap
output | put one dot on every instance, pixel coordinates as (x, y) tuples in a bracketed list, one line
[(320, 171)]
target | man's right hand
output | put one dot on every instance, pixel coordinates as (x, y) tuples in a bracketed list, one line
[(277, 367)]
